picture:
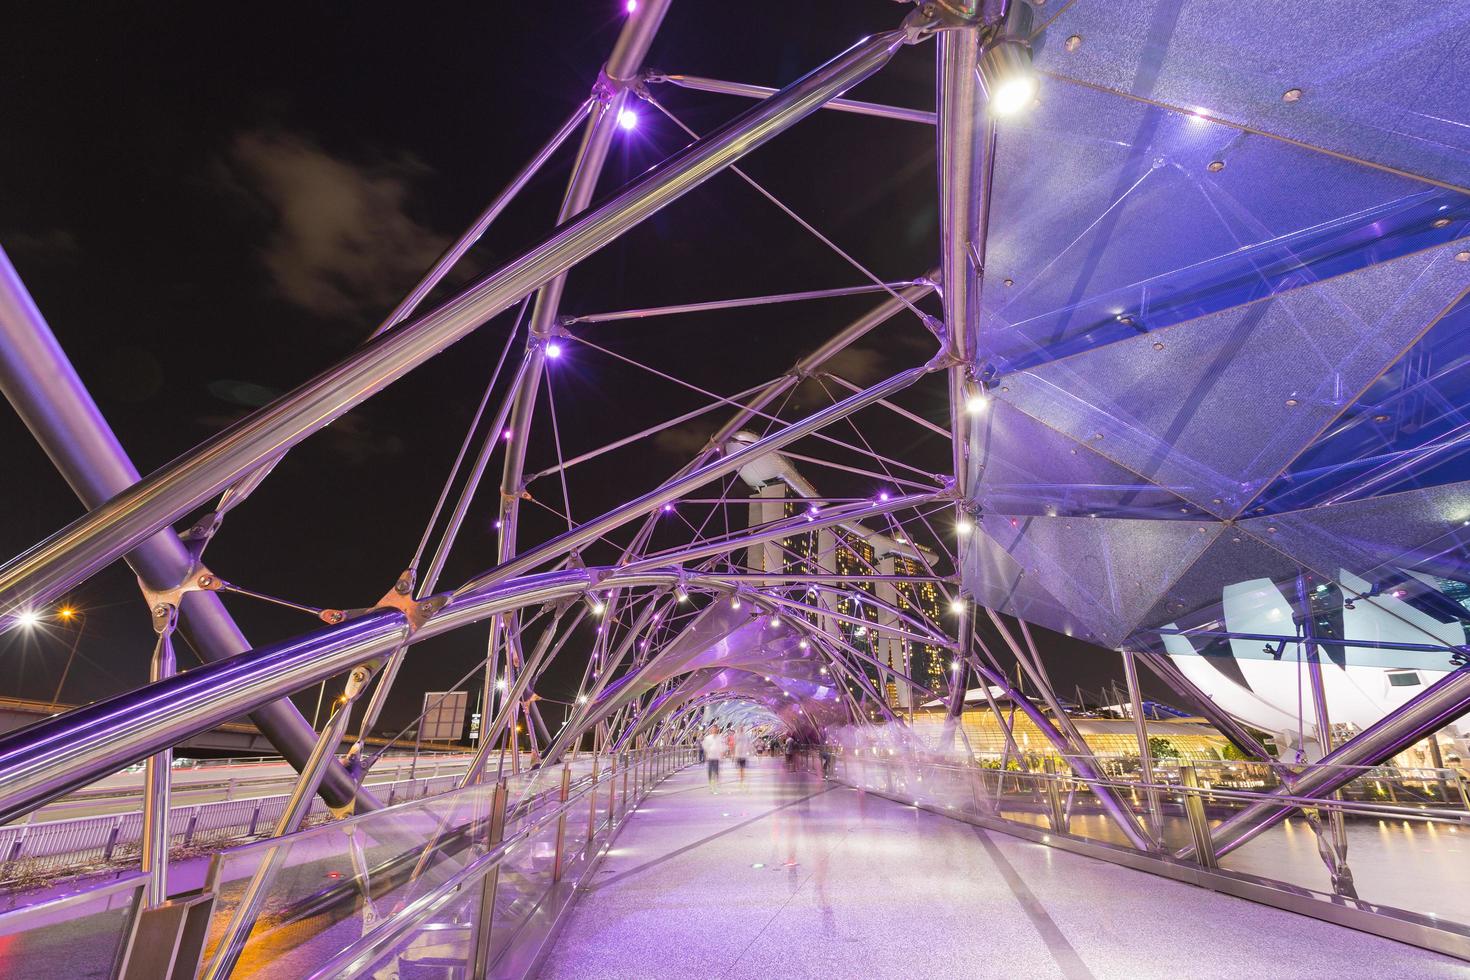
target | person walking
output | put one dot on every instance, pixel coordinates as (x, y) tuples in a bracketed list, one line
[(714, 750), (790, 748), (742, 752)]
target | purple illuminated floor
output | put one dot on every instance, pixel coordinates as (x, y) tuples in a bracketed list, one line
[(793, 877)]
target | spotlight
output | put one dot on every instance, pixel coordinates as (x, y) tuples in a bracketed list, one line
[(598, 607), (976, 400), (500, 683), (581, 699), (963, 526), (957, 605), (553, 350), (628, 119), (631, 6), (775, 620), (680, 594), (1005, 67), (66, 612), (28, 618)]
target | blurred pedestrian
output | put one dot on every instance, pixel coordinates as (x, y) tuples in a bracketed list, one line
[(714, 750)]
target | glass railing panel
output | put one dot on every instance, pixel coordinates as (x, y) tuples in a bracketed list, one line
[(79, 935), (325, 887)]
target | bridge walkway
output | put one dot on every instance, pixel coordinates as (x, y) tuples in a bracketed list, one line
[(792, 876)]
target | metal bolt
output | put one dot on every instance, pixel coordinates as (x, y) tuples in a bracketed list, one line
[(1441, 222), (205, 581), (335, 616), (1291, 95), (1380, 418), (1074, 42), (1462, 256), (426, 608), (401, 586), (1158, 345), (1010, 282), (1216, 166), (1292, 403)]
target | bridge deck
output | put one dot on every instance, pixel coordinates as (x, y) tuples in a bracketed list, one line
[(795, 877)]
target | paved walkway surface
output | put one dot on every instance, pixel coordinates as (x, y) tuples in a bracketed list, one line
[(793, 877)]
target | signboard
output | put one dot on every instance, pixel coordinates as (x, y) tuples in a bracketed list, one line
[(443, 717)]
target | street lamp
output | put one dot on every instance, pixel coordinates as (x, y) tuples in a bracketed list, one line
[(68, 614)]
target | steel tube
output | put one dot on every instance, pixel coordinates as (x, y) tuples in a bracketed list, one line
[(39, 381), (961, 139), (158, 774), (733, 304), (1145, 755), (106, 533), (1444, 702), (861, 108), (622, 65)]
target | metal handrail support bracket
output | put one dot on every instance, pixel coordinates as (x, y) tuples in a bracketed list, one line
[(485, 917), (1058, 812), (168, 943), (561, 824), (1199, 827)]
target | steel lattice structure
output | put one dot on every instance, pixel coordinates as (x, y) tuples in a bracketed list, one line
[(1196, 333)]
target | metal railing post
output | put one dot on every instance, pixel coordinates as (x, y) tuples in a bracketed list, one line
[(612, 791), (480, 942), (561, 823), (1054, 797), (1199, 827), (592, 807), (627, 767), (158, 771)]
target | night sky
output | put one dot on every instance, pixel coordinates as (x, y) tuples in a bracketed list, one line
[(211, 209)]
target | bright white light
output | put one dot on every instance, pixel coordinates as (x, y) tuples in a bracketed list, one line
[(631, 6), (500, 683), (581, 699), (1013, 95), (775, 620), (804, 644), (963, 526), (957, 606), (598, 607), (954, 665), (628, 119), (976, 404), (28, 618), (553, 351), (734, 603)]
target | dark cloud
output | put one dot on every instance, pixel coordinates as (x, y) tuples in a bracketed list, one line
[(344, 243), (682, 441), (52, 245)]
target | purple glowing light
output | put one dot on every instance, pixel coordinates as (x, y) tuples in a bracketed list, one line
[(668, 508), (883, 496), (631, 6), (553, 350), (506, 435), (628, 119)]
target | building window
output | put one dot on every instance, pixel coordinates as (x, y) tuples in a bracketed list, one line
[(1404, 678)]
